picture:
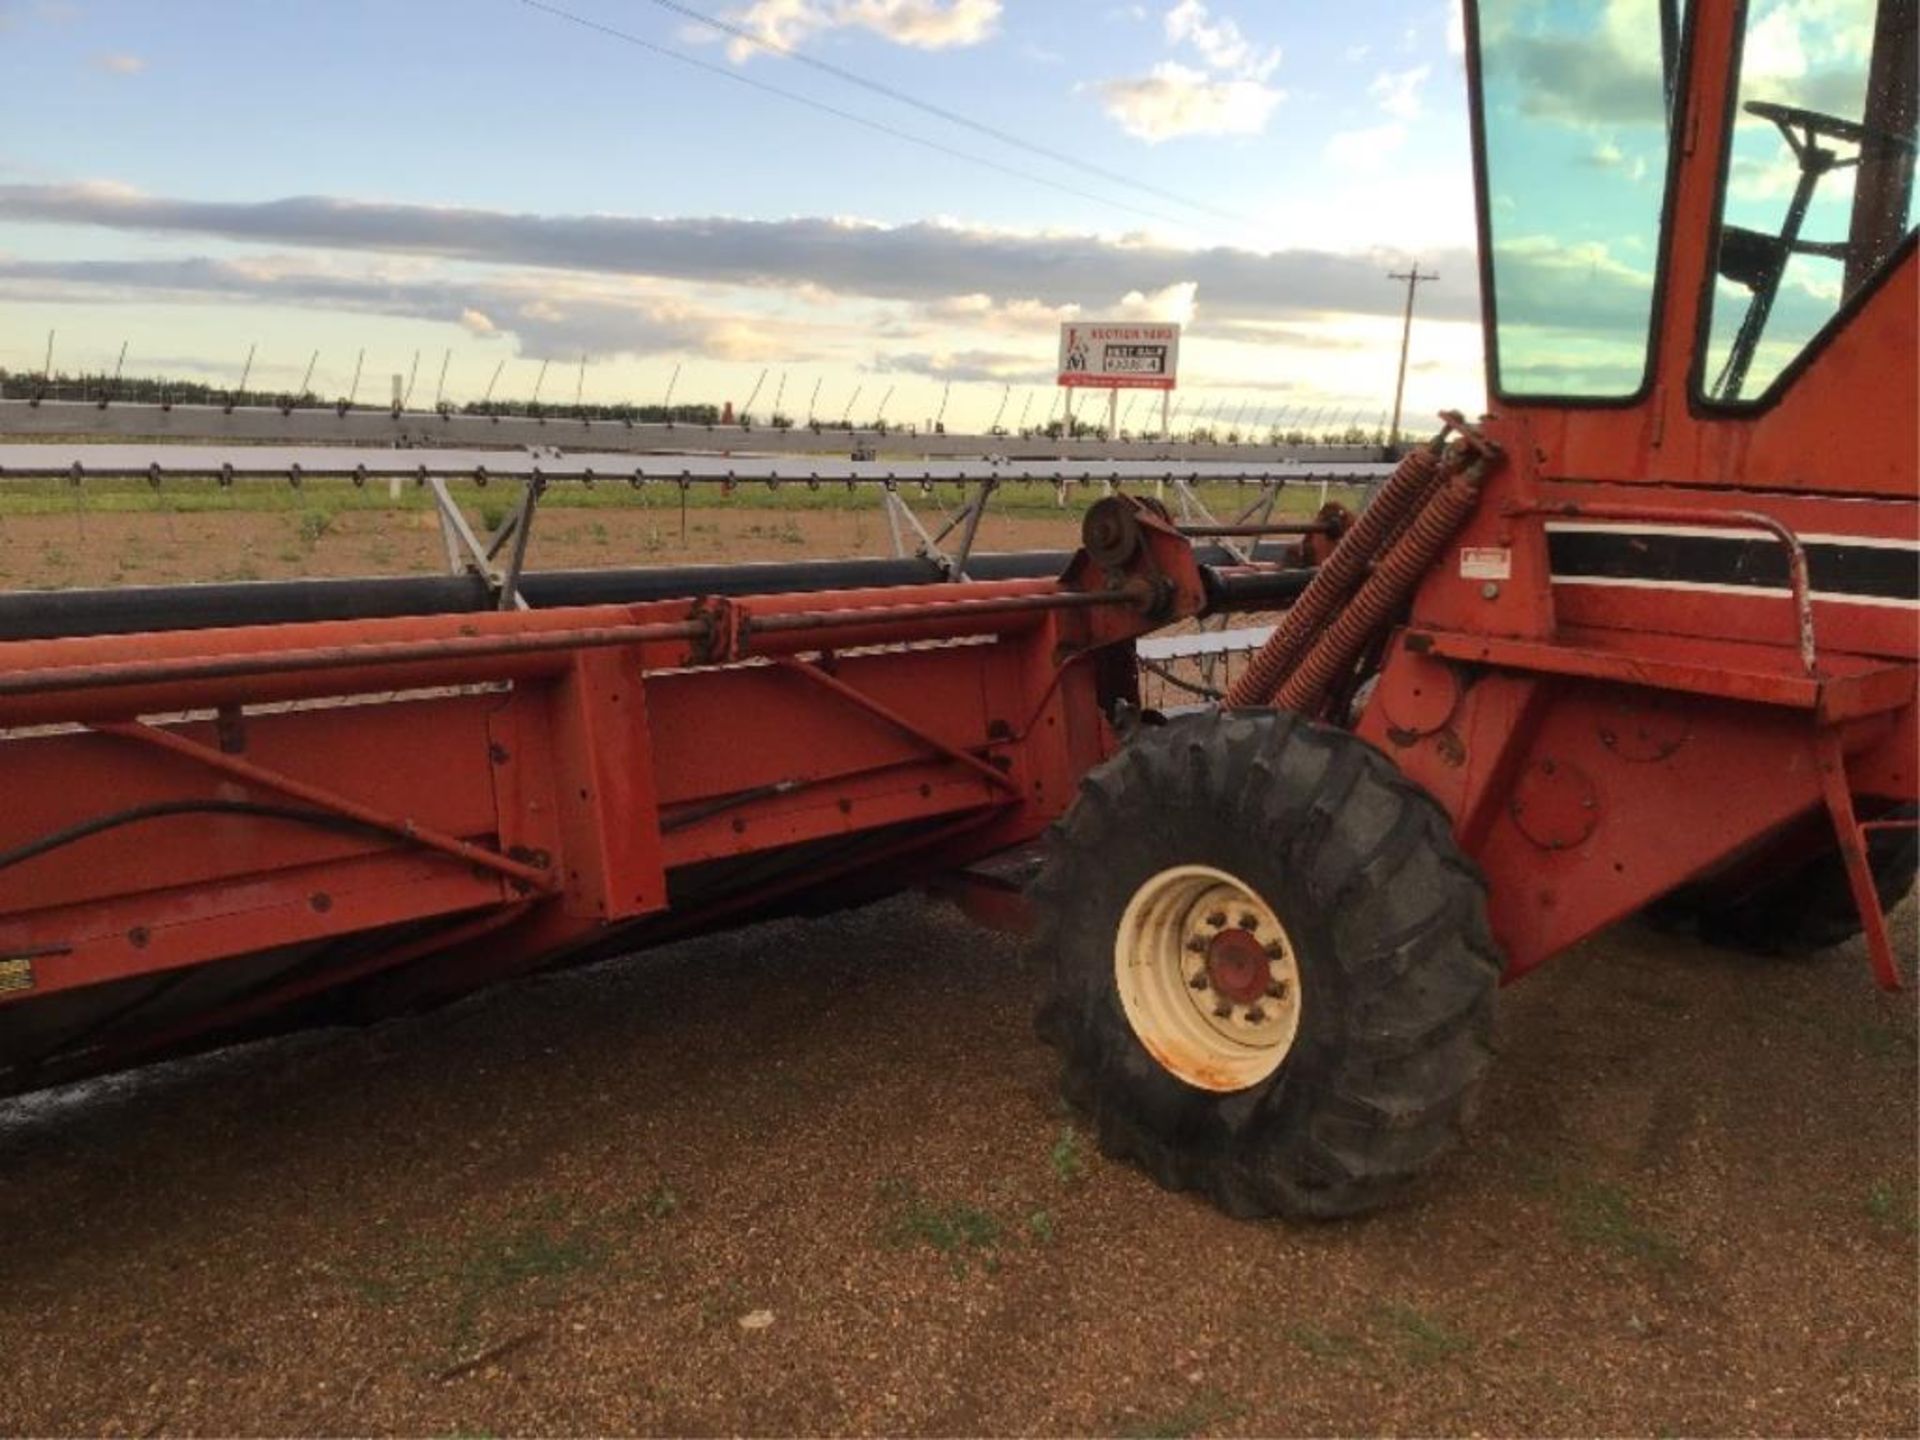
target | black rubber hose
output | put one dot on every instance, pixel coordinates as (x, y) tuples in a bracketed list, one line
[(99, 824)]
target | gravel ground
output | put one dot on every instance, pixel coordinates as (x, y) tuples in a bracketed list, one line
[(814, 1178)]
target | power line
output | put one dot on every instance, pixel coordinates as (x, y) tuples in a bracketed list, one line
[(827, 67), (671, 54)]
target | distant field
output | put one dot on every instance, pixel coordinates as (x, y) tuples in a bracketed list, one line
[(55, 536)]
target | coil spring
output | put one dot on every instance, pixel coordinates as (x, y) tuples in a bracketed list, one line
[(1391, 582), (1339, 574)]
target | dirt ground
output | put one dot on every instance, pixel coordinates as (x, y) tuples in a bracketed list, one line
[(565, 1207), (814, 1178), (87, 548)]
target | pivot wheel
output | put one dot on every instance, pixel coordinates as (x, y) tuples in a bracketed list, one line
[(1272, 978)]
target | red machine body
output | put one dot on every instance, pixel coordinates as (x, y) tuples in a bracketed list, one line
[(207, 833)]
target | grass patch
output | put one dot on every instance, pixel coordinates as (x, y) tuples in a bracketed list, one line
[(1887, 1207), (1206, 1409), (525, 1261), (1324, 1344), (1420, 1338), (959, 1231), (503, 1260), (1602, 1215), (1882, 1042), (313, 525), (1066, 1158)]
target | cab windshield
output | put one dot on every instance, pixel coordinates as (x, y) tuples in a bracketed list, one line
[(1576, 104)]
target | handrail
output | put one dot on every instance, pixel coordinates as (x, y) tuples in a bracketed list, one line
[(1797, 577)]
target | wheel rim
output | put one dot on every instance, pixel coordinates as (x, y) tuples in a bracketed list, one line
[(1208, 977)]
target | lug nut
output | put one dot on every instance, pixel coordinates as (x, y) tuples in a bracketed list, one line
[(1199, 982), (1197, 944), (1276, 951), (1222, 1010), (1256, 1015), (1277, 990), (1249, 920), (1218, 919)]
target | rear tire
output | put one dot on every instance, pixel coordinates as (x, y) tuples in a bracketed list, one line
[(1810, 909), (1326, 1082)]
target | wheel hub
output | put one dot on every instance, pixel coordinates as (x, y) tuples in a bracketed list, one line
[(1238, 966), (1208, 977)]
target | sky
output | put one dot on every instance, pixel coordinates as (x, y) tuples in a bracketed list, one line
[(507, 185)]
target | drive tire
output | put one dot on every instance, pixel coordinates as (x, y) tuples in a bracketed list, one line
[(1382, 946), (1811, 910)]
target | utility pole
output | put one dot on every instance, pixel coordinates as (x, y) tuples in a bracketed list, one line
[(1413, 277)]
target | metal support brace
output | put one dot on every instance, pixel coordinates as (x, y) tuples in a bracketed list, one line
[(966, 520), (891, 502), (468, 554), (898, 513), (1851, 837)]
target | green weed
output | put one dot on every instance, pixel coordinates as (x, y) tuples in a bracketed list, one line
[(1420, 1338), (1065, 1156), (1206, 1409), (313, 525), (1597, 1213), (959, 1231), (1885, 1206), (1324, 1344)]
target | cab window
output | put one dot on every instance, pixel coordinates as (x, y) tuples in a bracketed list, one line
[(1574, 103), (1818, 194)]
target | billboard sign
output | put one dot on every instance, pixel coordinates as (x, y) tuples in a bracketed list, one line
[(1119, 357)]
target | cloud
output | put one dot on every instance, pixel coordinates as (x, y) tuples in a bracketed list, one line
[(119, 64), (1177, 100), (1576, 81), (1219, 42), (545, 316), (1398, 91), (1366, 149), (920, 263), (1000, 367), (1608, 156), (1173, 304), (478, 322), (1295, 336), (919, 24), (980, 311), (1230, 96)]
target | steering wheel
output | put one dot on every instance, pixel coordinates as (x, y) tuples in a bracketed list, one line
[(1819, 126)]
